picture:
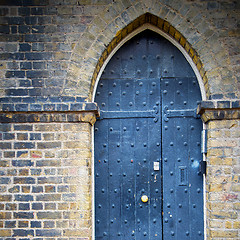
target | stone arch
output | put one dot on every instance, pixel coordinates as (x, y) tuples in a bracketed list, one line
[(154, 23), (182, 22)]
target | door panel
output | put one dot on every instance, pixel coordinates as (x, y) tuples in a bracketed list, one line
[(124, 161), (181, 153), (147, 142)]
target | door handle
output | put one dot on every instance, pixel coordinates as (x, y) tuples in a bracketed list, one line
[(144, 198)]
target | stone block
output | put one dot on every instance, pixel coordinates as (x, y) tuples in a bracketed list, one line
[(47, 145), (23, 232), (49, 180), (8, 136), (22, 163), (24, 206), (50, 189), (23, 198), (48, 197), (49, 215), (24, 145), (10, 224), (5, 180), (24, 180), (23, 224), (37, 189), (11, 206), (48, 233), (23, 215), (5, 198), (37, 206), (36, 224)]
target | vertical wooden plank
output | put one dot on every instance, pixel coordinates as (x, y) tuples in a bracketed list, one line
[(168, 156), (154, 156), (101, 167)]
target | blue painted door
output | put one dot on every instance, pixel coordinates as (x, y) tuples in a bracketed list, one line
[(147, 145)]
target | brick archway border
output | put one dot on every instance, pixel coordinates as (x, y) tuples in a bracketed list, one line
[(154, 23)]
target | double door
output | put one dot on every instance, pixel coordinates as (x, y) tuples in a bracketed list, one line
[(147, 153)]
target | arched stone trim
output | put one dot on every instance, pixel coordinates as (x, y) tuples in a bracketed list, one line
[(150, 21)]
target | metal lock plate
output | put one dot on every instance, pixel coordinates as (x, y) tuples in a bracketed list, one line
[(156, 166)]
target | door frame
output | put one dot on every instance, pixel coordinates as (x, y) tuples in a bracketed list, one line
[(147, 26)]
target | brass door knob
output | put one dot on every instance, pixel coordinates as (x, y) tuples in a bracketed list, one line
[(144, 198)]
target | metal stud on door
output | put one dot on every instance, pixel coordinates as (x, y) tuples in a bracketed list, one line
[(146, 145)]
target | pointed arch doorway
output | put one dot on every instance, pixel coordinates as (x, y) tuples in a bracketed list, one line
[(147, 145)]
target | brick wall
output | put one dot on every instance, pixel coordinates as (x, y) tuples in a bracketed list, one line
[(223, 184), (45, 180), (52, 47), (51, 52)]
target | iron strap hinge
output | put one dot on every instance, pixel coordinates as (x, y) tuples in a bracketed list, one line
[(179, 113), (127, 114)]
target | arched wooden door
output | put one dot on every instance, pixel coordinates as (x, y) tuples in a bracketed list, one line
[(147, 145)]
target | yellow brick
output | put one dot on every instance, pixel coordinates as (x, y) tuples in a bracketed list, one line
[(62, 171), (48, 127), (73, 188), (235, 179), (73, 206), (199, 67), (49, 154), (84, 205), (236, 224), (36, 154), (172, 31), (76, 144), (62, 224), (224, 233), (224, 215), (77, 232), (221, 206), (216, 224), (216, 196), (160, 23), (222, 143), (61, 136), (236, 133), (177, 36), (5, 233), (183, 41), (214, 134), (215, 188), (227, 133), (191, 53), (215, 152), (195, 59), (236, 205), (82, 223), (3, 65), (236, 187), (228, 225), (166, 26), (229, 124), (71, 214), (227, 170), (228, 151), (63, 206), (76, 127), (220, 161)]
